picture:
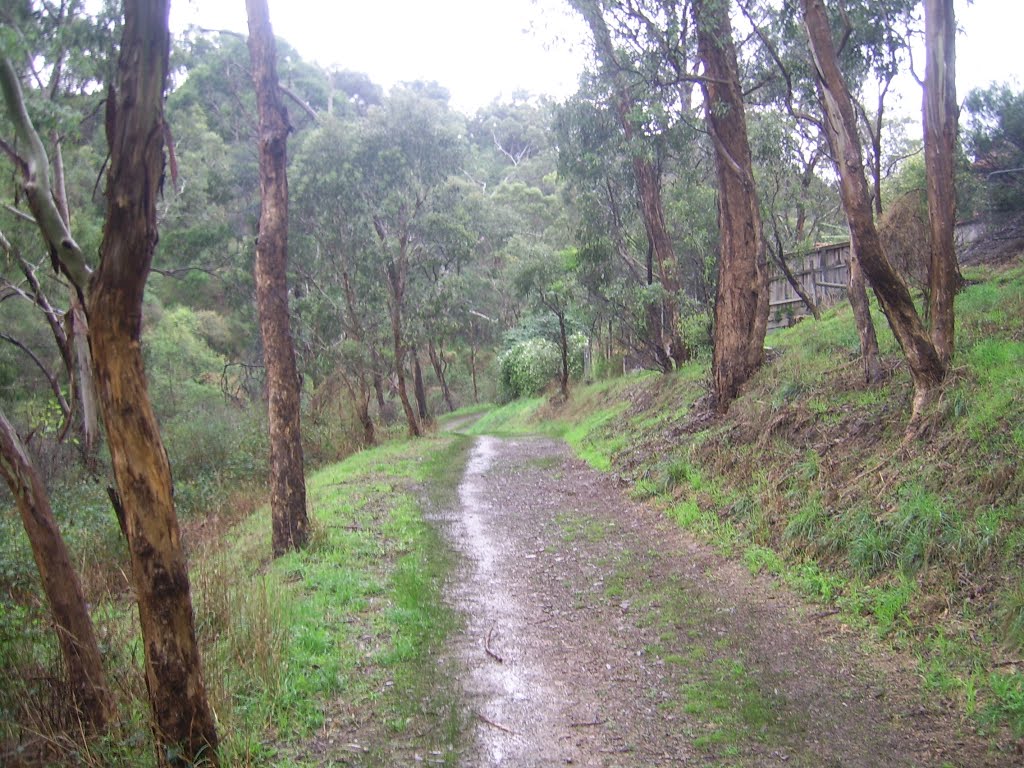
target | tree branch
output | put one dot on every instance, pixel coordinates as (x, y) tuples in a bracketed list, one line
[(65, 253)]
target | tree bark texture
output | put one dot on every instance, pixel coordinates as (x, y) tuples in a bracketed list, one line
[(894, 297), (741, 306), (941, 114), (290, 522), (60, 582), (418, 387), (182, 719), (858, 296)]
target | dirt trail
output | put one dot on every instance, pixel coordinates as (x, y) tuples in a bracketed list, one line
[(598, 634)]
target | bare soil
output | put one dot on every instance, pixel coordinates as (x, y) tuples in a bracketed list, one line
[(598, 633)]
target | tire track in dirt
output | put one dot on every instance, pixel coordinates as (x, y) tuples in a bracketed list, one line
[(599, 634)]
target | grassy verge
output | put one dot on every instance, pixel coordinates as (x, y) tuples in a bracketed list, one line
[(318, 655), (345, 633)]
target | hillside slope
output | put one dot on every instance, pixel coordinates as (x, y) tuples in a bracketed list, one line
[(810, 477)]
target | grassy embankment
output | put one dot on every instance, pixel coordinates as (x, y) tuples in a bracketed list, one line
[(327, 652), (809, 478)]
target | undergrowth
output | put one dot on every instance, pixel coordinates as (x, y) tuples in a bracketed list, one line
[(344, 633)]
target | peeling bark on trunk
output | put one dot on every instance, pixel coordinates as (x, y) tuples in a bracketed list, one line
[(287, 467), (926, 367), (940, 129), (741, 306), (182, 719), (858, 296), (61, 585)]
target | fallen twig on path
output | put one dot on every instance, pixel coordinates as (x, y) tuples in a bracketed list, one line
[(493, 724), (588, 724), (487, 647)]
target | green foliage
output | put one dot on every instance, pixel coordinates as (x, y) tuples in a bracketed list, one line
[(527, 367), (994, 136)]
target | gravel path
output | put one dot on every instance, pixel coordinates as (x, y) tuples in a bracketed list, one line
[(599, 634)]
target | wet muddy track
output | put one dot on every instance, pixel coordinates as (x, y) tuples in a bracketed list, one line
[(599, 634)]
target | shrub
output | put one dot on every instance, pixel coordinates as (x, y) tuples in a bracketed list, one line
[(527, 368)]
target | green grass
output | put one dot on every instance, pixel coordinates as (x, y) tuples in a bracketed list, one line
[(349, 629)]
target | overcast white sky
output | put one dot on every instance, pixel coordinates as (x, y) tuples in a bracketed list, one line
[(484, 49)]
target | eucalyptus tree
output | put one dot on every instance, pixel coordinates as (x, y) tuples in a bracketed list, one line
[(741, 305), (548, 280), (112, 295), (941, 115), (345, 308), (595, 166), (408, 150), (290, 521), (927, 366), (641, 116), (64, 52)]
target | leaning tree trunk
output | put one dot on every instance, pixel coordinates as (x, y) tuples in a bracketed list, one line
[(182, 719), (858, 296), (287, 468), (940, 127), (741, 306), (60, 582), (926, 367)]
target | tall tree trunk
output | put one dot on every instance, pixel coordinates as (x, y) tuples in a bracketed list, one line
[(287, 469), (378, 383), (86, 386), (563, 344), (396, 286), (60, 582), (182, 719), (472, 361), (940, 128), (363, 412), (418, 388), (741, 306), (85, 389), (439, 364), (355, 330), (858, 296), (926, 367)]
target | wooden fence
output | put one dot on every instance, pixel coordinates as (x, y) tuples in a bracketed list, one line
[(822, 273)]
